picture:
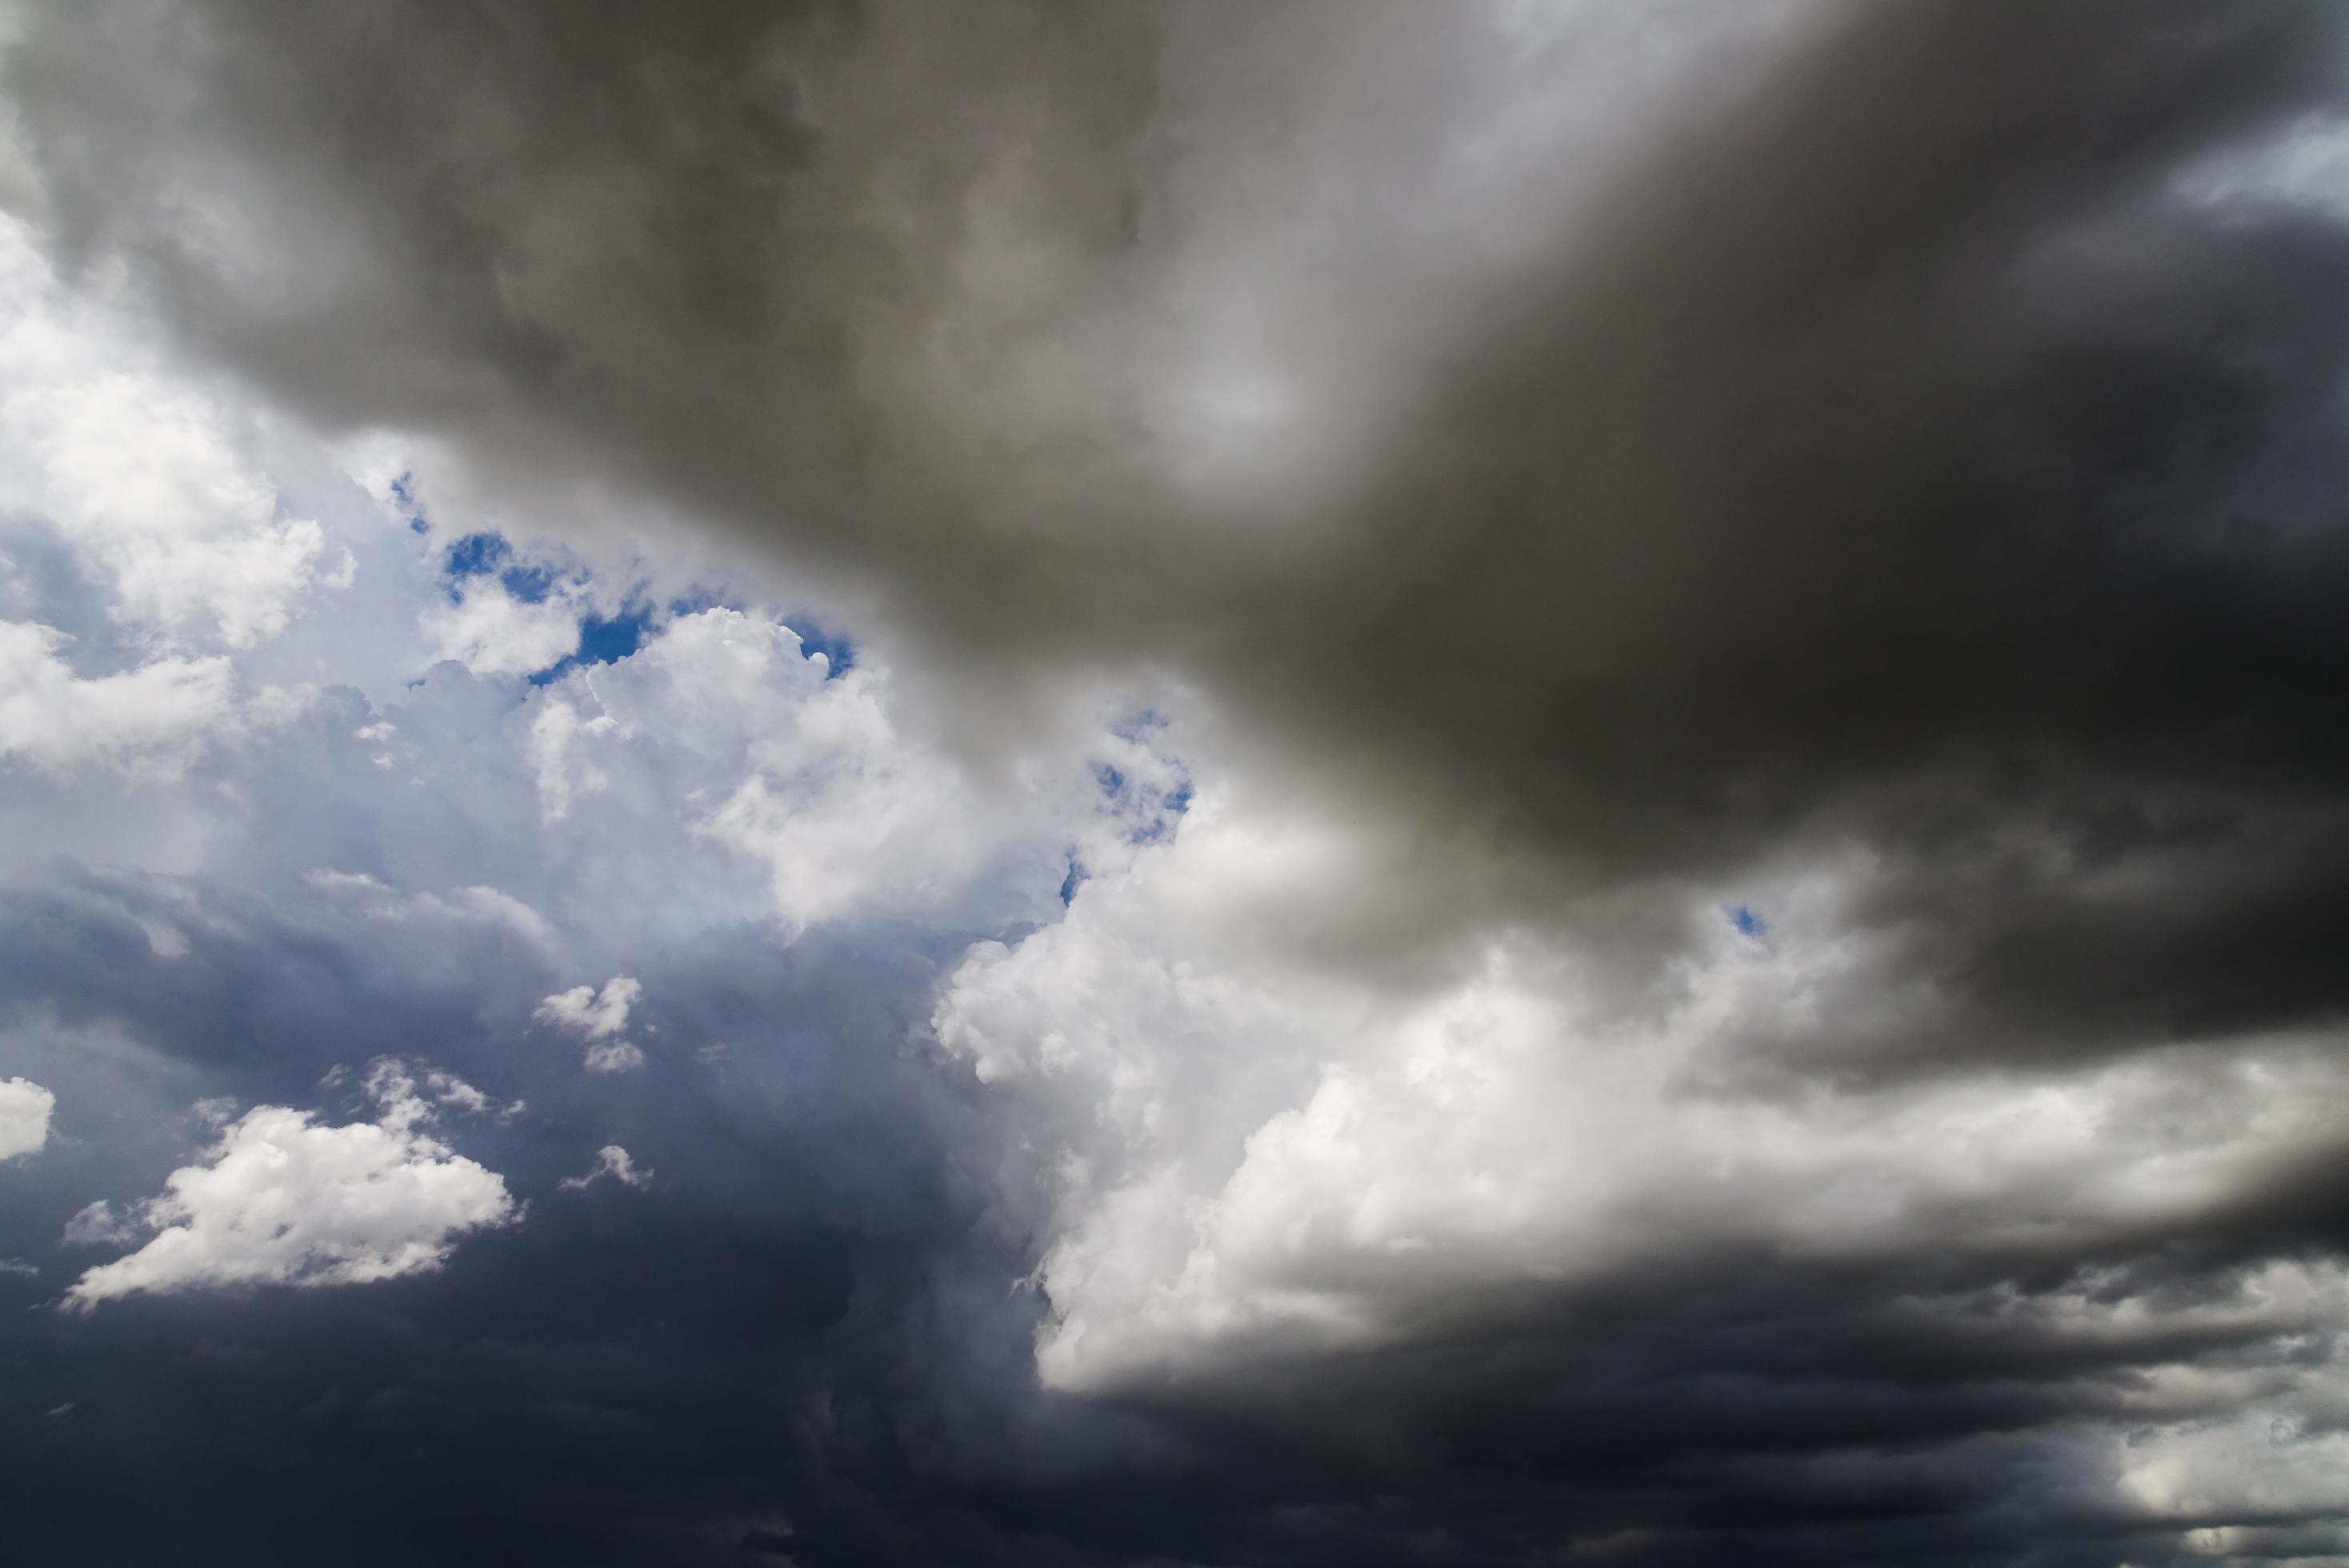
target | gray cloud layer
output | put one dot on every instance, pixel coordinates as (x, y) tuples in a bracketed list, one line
[(1860, 441)]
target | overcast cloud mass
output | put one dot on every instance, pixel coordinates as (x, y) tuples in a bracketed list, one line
[(1167, 783)]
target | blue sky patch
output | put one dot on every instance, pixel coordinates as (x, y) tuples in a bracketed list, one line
[(1746, 920), (603, 640), (529, 584), (477, 555), (839, 653), (403, 496), (1152, 814), (488, 555), (701, 599)]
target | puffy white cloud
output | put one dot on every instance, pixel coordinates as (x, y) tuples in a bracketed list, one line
[(100, 1223), (599, 1018), (611, 1161), (281, 1199), (57, 720), (1241, 1145), (612, 1057), (153, 481), (1247, 1152), (722, 735), (551, 735), (844, 808), (407, 1098), (25, 1110), (589, 1013), (491, 632), (144, 470), (450, 1089)]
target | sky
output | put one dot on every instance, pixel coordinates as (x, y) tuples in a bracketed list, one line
[(1169, 785)]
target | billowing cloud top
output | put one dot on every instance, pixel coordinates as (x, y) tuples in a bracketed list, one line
[(1332, 783)]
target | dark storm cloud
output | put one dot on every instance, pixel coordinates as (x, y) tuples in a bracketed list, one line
[(1880, 441), (1887, 456), (800, 1325)]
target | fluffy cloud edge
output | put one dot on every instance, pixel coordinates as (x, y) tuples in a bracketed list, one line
[(26, 1109), (283, 1198)]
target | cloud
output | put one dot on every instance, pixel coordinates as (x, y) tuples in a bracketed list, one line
[(406, 1100), (25, 1110), (1269, 1180), (144, 468), (466, 906), (100, 1223), (150, 480), (551, 736), (599, 1018), (591, 1014), (282, 1200), (1606, 752), (1024, 428), (57, 720), (611, 1161), (845, 810), (2307, 166), (613, 1056), (491, 632)]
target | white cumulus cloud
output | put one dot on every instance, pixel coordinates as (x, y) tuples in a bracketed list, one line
[(591, 1014), (25, 1110), (281, 1199), (143, 469), (551, 736), (599, 1018), (491, 632), (812, 774), (57, 720), (1242, 1145)]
